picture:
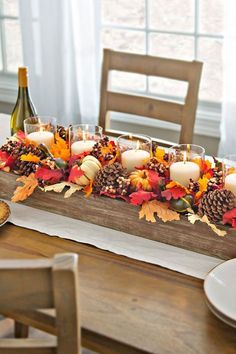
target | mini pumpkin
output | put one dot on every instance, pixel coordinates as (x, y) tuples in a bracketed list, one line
[(90, 166), (140, 179)]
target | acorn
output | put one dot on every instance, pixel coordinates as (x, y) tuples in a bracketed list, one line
[(182, 204)]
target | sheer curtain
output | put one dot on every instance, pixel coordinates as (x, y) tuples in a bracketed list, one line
[(59, 47), (228, 124)]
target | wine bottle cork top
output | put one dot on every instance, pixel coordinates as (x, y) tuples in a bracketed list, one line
[(23, 76)]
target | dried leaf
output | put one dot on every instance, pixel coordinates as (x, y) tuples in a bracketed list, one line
[(159, 154), (23, 192), (192, 218), (162, 210), (58, 188), (88, 189)]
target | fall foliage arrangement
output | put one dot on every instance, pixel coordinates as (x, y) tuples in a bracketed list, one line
[(99, 172)]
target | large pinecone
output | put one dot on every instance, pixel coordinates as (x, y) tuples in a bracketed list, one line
[(112, 179), (216, 181), (25, 167), (159, 167), (215, 203)]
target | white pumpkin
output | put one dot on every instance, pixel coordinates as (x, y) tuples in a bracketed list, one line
[(90, 166)]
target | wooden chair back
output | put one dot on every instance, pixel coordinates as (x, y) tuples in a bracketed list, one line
[(182, 114), (27, 285)]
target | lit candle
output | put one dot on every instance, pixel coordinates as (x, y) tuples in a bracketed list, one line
[(134, 158), (78, 147), (41, 137), (182, 171), (230, 183)]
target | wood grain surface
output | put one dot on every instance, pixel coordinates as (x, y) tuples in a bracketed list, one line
[(121, 216), (135, 304)]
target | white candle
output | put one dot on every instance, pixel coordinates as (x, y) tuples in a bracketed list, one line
[(134, 158), (230, 183), (41, 137), (182, 171), (78, 147)]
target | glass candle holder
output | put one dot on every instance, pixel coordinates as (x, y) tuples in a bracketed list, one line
[(229, 172), (185, 163), (83, 137), (134, 150), (40, 129)]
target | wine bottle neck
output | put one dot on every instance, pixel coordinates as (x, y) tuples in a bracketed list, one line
[(23, 92)]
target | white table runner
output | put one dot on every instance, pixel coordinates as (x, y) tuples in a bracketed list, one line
[(167, 256)]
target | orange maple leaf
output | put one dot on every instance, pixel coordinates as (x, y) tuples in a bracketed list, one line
[(162, 210), (23, 192), (60, 149)]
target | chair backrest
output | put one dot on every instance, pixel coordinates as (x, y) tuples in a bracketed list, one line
[(43, 284), (183, 114)]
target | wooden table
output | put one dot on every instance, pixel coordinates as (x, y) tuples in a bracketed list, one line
[(145, 307)]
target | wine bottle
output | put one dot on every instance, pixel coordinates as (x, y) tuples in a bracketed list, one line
[(24, 107)]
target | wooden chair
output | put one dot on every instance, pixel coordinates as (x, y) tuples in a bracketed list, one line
[(183, 114), (28, 285)]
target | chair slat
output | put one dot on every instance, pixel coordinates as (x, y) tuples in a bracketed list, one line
[(28, 346), (144, 106)]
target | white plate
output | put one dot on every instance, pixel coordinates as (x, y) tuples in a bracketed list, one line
[(220, 288)]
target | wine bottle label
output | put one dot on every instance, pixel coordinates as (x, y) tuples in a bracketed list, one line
[(23, 77)]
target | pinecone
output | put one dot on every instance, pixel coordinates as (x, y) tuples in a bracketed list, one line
[(97, 150), (25, 167), (62, 131), (10, 146), (159, 167), (215, 203), (193, 186), (112, 179), (216, 181)]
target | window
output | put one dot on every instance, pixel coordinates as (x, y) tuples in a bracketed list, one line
[(181, 29), (10, 49)]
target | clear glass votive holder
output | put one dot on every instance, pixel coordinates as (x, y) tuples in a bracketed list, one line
[(229, 172), (40, 129), (83, 137), (135, 150), (185, 163)]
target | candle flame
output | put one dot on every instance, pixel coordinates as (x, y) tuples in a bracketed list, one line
[(84, 135), (188, 147), (138, 145)]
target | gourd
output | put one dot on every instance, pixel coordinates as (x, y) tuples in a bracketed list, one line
[(140, 179), (90, 167)]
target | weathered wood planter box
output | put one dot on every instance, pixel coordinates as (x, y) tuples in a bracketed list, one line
[(118, 215)]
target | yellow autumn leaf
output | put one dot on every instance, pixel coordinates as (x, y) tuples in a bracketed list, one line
[(162, 210), (202, 182), (159, 154), (30, 158)]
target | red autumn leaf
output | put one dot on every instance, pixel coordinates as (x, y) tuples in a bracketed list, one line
[(77, 157), (6, 160), (75, 172), (51, 176), (154, 179), (20, 135), (173, 193), (137, 198), (230, 218)]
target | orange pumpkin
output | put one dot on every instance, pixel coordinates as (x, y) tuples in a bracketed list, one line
[(140, 179)]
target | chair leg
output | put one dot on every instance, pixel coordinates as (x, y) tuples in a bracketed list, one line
[(21, 330)]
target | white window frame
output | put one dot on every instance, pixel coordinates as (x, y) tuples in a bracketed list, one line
[(8, 80), (209, 113)]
